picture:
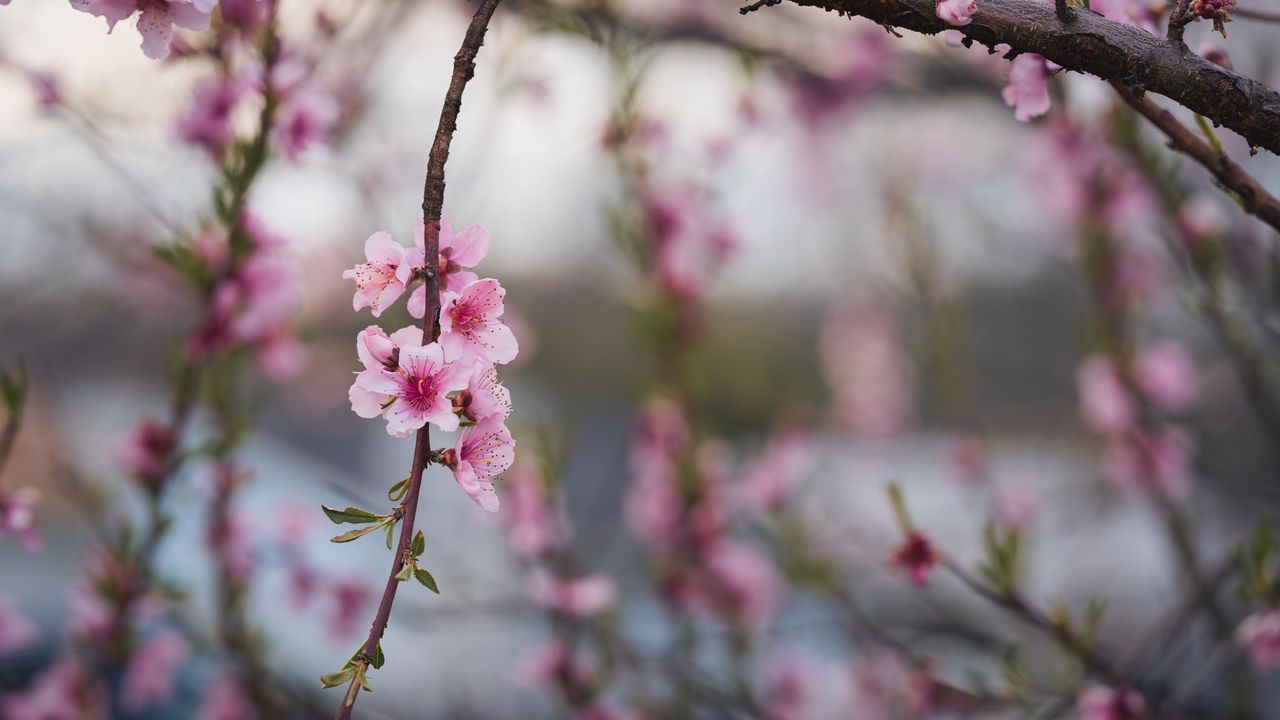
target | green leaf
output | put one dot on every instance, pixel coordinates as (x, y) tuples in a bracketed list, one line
[(391, 531), (350, 535), (397, 491), (341, 677), (352, 515), (378, 657), (364, 681), (13, 389), (419, 544), (405, 572), (425, 578)]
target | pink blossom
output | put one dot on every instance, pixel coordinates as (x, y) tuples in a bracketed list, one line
[(653, 500), (555, 663), (915, 557), (458, 251), (349, 598), (1027, 92), (471, 325), (689, 247), (531, 526), (1158, 461), (1215, 55), (1105, 703), (247, 16), (771, 479), (378, 351), (1167, 376), (279, 354), (64, 691), (233, 546), (149, 677), (1260, 633), (418, 389), (1105, 402), (156, 18), (1016, 506), (483, 451), (145, 453), (17, 631), (384, 275), (225, 699), (207, 122), (1201, 219), (484, 397), (956, 12), (18, 516), (968, 455), (90, 617), (306, 118), (744, 584), (582, 597), (869, 372), (789, 687)]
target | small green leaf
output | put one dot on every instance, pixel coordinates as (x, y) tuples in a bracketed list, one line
[(350, 535), (352, 515), (343, 676), (397, 491), (378, 657), (419, 544), (391, 531), (425, 578), (364, 681), (405, 572)]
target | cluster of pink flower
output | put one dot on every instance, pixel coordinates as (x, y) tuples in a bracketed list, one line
[(452, 382), (682, 502), (1112, 397), (254, 299)]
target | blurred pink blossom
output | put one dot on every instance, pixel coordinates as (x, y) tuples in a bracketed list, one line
[(1105, 703), (17, 631), (1105, 403), (224, 698), (915, 558), (531, 527), (772, 478), (145, 453), (1260, 633), (149, 676), (1027, 92), (956, 12), (18, 516), (63, 691), (1158, 461), (1167, 375), (207, 122), (869, 372), (583, 596)]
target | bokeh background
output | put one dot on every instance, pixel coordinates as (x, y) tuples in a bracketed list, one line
[(881, 194)]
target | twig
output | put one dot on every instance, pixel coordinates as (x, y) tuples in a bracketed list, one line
[(1254, 198), (1261, 15), (432, 208), (747, 9)]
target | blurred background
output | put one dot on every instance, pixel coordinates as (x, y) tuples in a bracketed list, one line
[(908, 278)]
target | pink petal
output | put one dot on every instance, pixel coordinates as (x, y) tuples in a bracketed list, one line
[(470, 246)]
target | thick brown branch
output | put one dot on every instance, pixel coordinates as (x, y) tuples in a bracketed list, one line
[(464, 65), (1089, 43), (1254, 198)]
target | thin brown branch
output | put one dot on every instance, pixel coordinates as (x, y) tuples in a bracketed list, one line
[(1089, 43), (1254, 198), (1261, 15), (464, 64)]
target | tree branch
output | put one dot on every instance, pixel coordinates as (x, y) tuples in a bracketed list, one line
[(1089, 43), (1254, 198), (464, 65)]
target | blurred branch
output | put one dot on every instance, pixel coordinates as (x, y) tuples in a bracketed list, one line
[(1089, 43), (1254, 198)]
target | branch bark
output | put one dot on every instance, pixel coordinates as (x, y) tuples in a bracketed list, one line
[(1253, 196), (1089, 43), (464, 65)]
